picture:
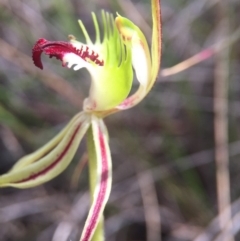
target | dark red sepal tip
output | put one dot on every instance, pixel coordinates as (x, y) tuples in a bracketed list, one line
[(37, 51), (58, 49)]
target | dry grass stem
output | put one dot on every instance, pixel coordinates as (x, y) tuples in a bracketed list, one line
[(214, 232), (205, 54), (150, 206), (78, 170), (221, 123)]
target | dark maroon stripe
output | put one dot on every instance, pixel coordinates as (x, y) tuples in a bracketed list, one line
[(102, 191), (34, 176)]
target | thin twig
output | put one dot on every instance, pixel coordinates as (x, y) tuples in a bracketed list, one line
[(221, 123), (11, 142), (205, 54), (150, 205), (72, 218), (78, 170), (231, 229), (29, 207), (213, 229)]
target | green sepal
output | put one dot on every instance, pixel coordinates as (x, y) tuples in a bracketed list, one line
[(40, 168)]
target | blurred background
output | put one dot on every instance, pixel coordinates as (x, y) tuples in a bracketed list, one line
[(175, 155)]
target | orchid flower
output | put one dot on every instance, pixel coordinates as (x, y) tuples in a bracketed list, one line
[(111, 63)]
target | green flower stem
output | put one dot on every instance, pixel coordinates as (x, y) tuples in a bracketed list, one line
[(92, 166)]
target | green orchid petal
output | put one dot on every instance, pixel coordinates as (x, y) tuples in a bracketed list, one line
[(141, 59), (146, 66), (111, 82), (102, 177), (156, 50), (35, 156), (49, 161)]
